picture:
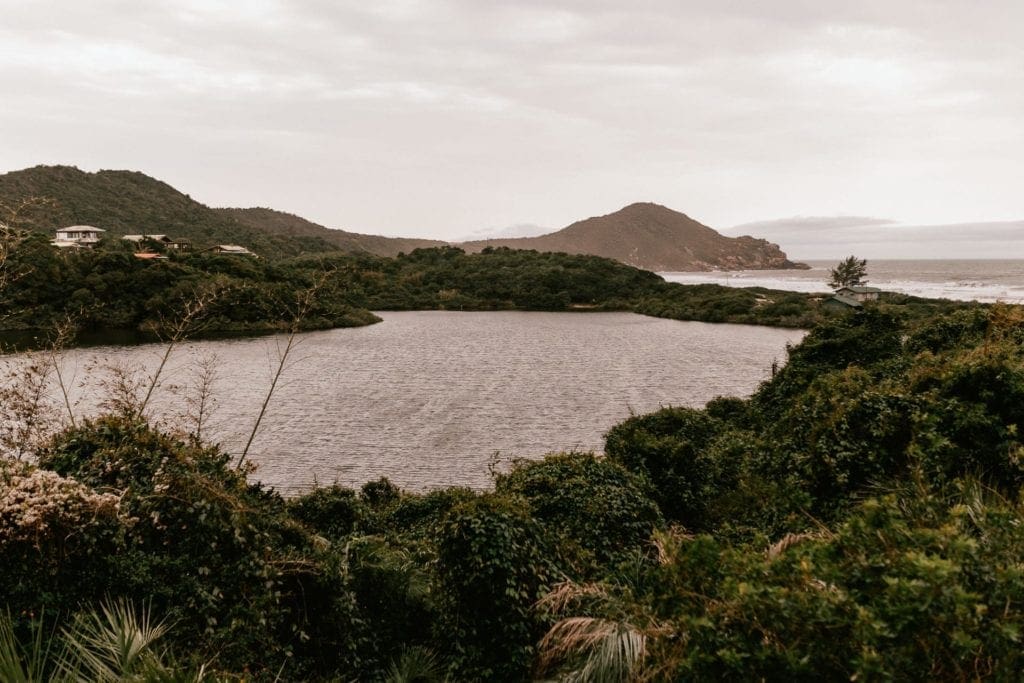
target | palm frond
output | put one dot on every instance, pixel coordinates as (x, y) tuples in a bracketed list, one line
[(113, 643), (789, 540), (24, 664), (565, 593), (597, 650), (415, 665)]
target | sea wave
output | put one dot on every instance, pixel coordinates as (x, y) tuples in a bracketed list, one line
[(956, 290)]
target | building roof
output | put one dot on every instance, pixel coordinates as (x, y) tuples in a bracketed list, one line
[(233, 249), (848, 301), (139, 238), (860, 289), (81, 228), (148, 255)]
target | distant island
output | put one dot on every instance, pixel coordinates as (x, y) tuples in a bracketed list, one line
[(653, 237), (643, 235)]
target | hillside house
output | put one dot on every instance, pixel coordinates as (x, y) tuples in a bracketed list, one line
[(77, 236), (163, 240), (859, 292), (231, 249)]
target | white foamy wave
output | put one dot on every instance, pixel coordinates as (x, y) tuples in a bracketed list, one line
[(743, 279), (954, 290)]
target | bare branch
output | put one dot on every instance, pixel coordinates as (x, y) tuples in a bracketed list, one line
[(189, 319), (304, 302)]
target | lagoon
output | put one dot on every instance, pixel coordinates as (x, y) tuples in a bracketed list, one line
[(433, 398)]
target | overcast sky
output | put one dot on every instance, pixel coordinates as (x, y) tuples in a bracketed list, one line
[(441, 118)]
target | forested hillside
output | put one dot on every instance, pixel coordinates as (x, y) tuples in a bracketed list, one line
[(285, 224), (643, 235), (128, 202), (109, 289)]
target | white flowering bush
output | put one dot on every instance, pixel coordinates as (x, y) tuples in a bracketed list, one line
[(39, 506)]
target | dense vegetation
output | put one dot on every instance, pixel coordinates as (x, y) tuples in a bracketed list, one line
[(132, 203), (859, 517), (107, 288), (104, 289)]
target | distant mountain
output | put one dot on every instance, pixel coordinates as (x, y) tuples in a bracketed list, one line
[(655, 238), (286, 224), (828, 237), (129, 202)]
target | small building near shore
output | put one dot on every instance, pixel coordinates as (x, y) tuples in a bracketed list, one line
[(77, 236), (841, 304), (861, 293)]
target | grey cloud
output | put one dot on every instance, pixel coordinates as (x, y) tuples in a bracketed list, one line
[(436, 117)]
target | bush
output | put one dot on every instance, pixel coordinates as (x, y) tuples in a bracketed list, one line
[(598, 510), (493, 564), (55, 537), (670, 449), (913, 586), (205, 547), (333, 511)]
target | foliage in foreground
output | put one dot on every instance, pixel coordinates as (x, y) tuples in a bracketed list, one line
[(858, 517)]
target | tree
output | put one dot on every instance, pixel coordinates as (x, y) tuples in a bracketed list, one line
[(850, 272)]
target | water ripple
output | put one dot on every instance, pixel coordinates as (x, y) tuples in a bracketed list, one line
[(428, 398)]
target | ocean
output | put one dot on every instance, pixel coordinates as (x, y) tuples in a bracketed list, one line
[(960, 280)]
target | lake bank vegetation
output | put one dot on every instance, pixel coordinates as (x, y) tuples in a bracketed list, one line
[(107, 290), (858, 517)]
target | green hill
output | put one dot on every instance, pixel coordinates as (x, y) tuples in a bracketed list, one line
[(280, 223), (129, 202)]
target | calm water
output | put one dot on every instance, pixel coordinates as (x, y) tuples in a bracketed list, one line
[(962, 280), (428, 398)]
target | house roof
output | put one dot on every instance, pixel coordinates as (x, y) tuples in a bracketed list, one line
[(81, 228), (848, 301), (234, 248), (860, 289), (147, 255), (139, 238)]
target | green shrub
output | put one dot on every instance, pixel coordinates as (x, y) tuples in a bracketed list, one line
[(204, 546), (493, 564), (913, 586), (416, 514), (331, 511), (670, 449), (597, 509)]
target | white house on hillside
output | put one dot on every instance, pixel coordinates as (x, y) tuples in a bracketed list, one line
[(168, 243), (77, 236), (230, 249)]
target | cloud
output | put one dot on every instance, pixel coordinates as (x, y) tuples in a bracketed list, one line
[(824, 237), (807, 224), (434, 118)]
